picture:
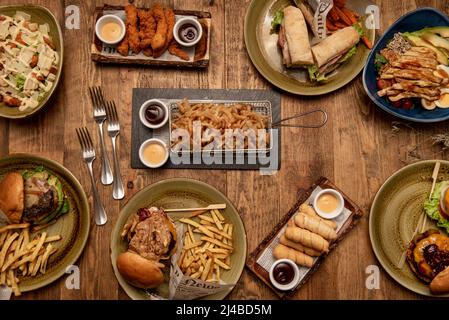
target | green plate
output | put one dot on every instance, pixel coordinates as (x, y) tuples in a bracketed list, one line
[(394, 217), (180, 193), (73, 226), (266, 56), (39, 15)]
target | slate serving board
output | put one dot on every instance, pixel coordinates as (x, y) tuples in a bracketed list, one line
[(140, 133)]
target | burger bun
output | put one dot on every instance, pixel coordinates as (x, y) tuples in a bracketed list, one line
[(12, 196), (440, 284), (138, 271)]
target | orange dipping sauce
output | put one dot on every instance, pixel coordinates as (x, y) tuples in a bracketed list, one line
[(328, 203)]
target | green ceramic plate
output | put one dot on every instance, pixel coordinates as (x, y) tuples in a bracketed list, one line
[(394, 217), (73, 227), (39, 15), (180, 193), (266, 56)]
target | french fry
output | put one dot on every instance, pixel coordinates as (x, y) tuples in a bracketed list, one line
[(197, 225), (14, 286), (219, 250), (2, 237), (38, 246), (216, 220), (216, 242), (206, 218), (206, 223), (193, 245), (219, 232), (217, 271), (219, 215), (192, 237), (6, 246), (222, 264), (206, 269), (14, 227)]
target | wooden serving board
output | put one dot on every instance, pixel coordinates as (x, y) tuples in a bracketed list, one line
[(354, 213), (109, 55)]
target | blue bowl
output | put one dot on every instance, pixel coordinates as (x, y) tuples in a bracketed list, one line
[(412, 21)]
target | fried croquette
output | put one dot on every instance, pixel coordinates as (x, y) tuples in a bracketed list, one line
[(131, 28), (160, 38)]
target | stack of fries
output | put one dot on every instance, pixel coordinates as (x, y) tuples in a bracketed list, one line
[(206, 253), (20, 255)]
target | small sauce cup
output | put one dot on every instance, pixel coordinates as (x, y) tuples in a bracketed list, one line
[(113, 26), (187, 25), (281, 269), (153, 114), (154, 153), (329, 203)]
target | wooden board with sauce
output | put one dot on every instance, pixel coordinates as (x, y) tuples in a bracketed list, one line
[(200, 60), (262, 274)]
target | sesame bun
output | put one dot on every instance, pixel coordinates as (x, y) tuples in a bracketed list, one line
[(138, 271), (12, 197)]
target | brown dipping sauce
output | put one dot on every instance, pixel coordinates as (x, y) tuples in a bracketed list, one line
[(283, 273), (188, 33), (155, 114)]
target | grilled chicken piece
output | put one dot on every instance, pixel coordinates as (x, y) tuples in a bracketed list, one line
[(412, 88), (407, 61), (420, 83), (422, 74), (412, 95)]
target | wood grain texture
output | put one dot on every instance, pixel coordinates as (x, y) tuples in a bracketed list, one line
[(356, 149)]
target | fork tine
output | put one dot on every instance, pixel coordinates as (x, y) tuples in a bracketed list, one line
[(114, 109), (109, 112), (78, 133), (89, 140), (101, 98), (92, 97)]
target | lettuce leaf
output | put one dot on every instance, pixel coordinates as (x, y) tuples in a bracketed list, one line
[(379, 61), (359, 29), (277, 21), (348, 55), (432, 206), (314, 74)]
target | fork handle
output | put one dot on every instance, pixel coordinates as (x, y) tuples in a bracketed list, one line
[(118, 192), (100, 214), (106, 172)]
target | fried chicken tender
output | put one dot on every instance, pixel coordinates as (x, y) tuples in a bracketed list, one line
[(171, 19), (176, 50), (201, 47), (131, 28), (160, 38), (123, 47), (147, 30)]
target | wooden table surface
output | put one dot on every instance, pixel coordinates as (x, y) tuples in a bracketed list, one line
[(356, 149)]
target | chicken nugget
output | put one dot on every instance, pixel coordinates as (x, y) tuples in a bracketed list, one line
[(176, 50), (160, 38), (131, 28), (147, 30)]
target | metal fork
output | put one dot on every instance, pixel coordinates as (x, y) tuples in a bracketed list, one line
[(89, 156), (118, 191), (100, 117)]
